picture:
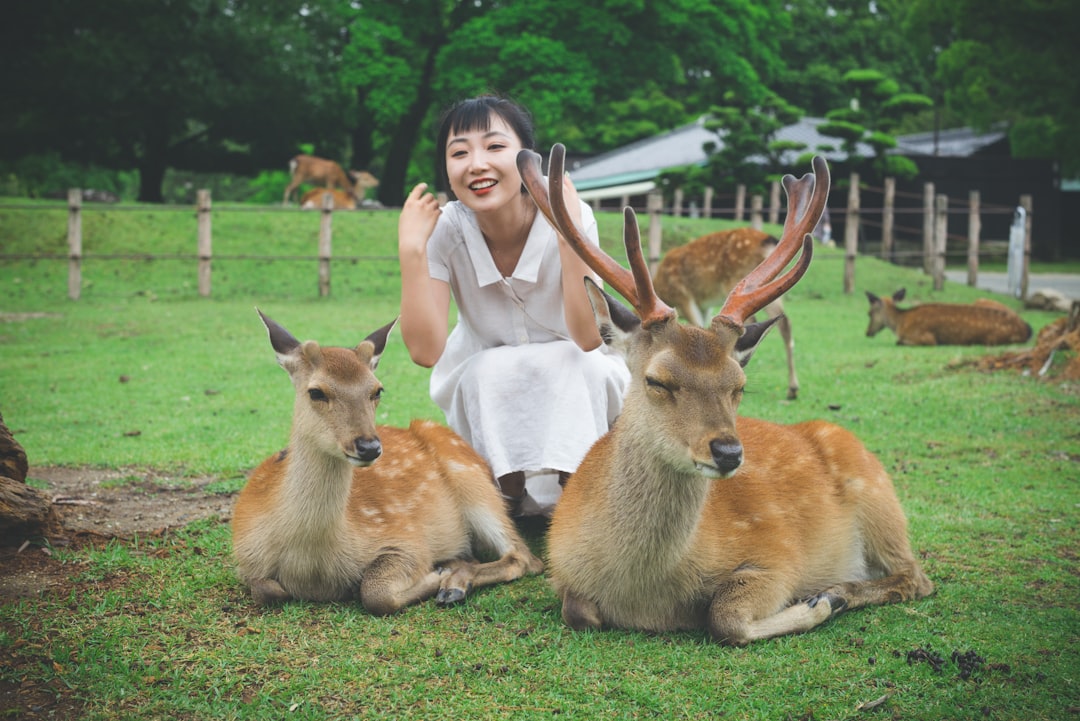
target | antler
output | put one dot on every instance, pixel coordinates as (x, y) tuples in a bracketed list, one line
[(634, 285), (806, 201)]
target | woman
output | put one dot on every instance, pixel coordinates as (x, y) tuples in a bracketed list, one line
[(523, 376)]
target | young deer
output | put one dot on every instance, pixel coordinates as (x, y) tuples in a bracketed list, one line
[(984, 322), (686, 517), (699, 275), (353, 509), (310, 169)]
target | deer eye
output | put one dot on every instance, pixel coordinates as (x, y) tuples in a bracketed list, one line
[(316, 394), (654, 383), (377, 394)]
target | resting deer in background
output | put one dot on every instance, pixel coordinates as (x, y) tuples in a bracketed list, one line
[(310, 169), (351, 509), (699, 275), (984, 322), (686, 517), (313, 199)]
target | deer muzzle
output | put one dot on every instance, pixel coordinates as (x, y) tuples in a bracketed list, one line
[(727, 455), (366, 450)]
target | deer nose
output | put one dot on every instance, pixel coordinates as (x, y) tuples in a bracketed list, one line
[(367, 448), (726, 455)]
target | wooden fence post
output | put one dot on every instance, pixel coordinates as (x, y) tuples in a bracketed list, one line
[(706, 212), (205, 241), (325, 240), (941, 227), (1025, 203), (974, 229), (677, 206), (888, 218), (74, 243), (740, 201), (851, 234), (654, 204), (756, 217), (774, 202), (928, 226)]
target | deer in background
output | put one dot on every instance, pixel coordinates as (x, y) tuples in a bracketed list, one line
[(699, 275), (686, 517), (351, 509), (313, 199), (310, 169), (984, 322)]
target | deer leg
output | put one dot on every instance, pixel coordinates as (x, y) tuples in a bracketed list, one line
[(395, 580), (776, 308), (465, 576), (905, 585), (744, 608), (580, 614), (268, 592), (288, 191)]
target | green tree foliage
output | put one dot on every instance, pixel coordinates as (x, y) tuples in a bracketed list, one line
[(1012, 62), (595, 75), (747, 153), (200, 85), (874, 109)]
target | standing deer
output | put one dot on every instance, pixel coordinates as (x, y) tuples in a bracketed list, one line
[(310, 169), (349, 509), (699, 275), (686, 517), (984, 322)]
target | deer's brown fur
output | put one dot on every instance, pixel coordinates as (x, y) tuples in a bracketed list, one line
[(351, 510), (984, 322)]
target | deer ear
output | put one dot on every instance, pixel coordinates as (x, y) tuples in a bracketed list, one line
[(614, 320), (748, 341), (899, 295), (872, 298), (280, 339), (378, 342)]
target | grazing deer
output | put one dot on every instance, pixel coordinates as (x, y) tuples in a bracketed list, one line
[(699, 275), (351, 509), (686, 517), (984, 322), (310, 169), (313, 199)]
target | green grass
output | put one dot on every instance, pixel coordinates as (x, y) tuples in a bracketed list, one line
[(987, 467)]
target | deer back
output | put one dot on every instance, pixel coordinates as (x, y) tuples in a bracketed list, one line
[(984, 322), (313, 199)]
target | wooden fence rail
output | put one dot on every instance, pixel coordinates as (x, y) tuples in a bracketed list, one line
[(934, 213)]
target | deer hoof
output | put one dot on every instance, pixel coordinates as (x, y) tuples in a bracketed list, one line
[(450, 596), (836, 603)]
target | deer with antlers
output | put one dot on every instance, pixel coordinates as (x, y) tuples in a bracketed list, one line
[(700, 274), (353, 510), (686, 517), (310, 169)]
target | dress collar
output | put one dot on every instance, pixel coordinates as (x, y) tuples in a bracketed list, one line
[(528, 265)]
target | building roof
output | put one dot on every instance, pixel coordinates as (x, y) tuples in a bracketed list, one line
[(632, 169)]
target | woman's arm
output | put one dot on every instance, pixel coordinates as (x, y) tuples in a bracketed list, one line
[(577, 309), (425, 302)]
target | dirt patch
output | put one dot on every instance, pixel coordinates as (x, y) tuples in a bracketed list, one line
[(97, 505)]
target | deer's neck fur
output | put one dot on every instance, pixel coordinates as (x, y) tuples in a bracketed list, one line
[(314, 494)]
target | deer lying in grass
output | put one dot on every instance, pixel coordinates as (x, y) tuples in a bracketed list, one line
[(349, 509), (984, 322), (699, 275), (685, 517), (313, 199), (310, 169)]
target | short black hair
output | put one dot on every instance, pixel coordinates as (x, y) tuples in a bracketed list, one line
[(475, 114)]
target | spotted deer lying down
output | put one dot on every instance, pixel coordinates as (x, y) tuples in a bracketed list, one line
[(349, 510), (686, 517), (984, 322)]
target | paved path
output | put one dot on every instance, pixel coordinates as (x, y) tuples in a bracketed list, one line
[(1067, 283)]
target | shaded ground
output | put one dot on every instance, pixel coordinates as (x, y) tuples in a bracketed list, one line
[(96, 505)]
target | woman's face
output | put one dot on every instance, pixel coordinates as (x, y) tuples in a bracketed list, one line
[(482, 166)]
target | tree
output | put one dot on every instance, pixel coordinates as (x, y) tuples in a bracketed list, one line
[(196, 84), (1012, 62), (594, 75), (875, 108)]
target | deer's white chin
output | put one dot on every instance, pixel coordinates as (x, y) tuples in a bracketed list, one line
[(709, 471)]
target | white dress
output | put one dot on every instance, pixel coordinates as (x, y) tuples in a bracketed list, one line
[(510, 380)]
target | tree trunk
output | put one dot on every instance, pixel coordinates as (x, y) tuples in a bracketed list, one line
[(13, 463), (24, 511), (392, 185), (363, 147)]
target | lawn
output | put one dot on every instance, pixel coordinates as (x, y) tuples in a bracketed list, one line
[(143, 373)]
